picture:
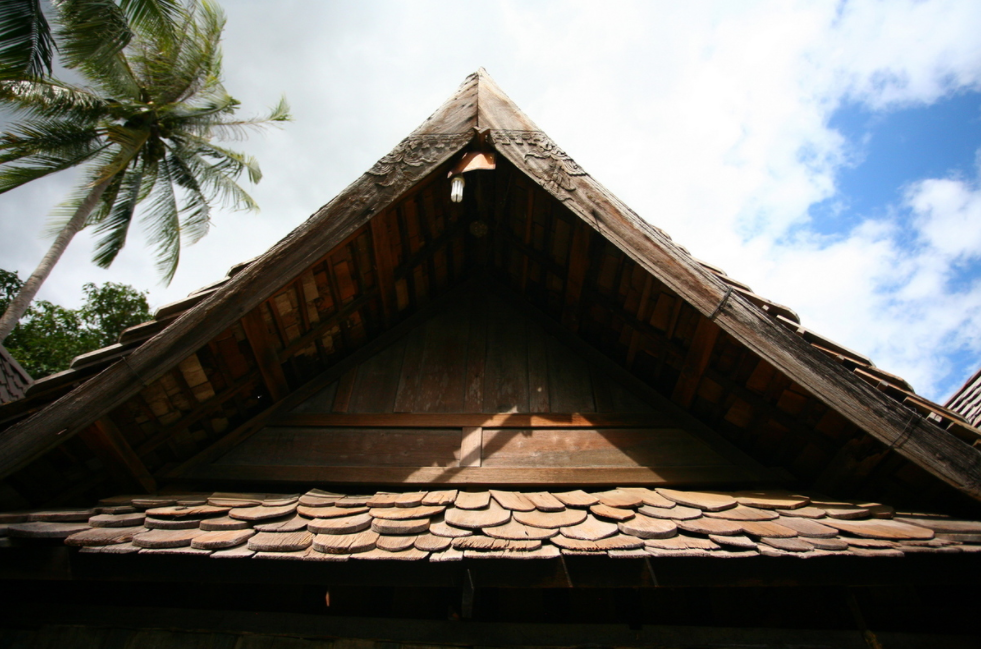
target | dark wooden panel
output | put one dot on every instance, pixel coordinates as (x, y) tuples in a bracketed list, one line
[(347, 447), (378, 381), (411, 377), (476, 356), (443, 371), (506, 370), (570, 386), (538, 371), (323, 401), (594, 448), (453, 420)]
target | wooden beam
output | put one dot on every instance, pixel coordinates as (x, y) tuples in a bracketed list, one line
[(388, 475), (111, 447), (696, 360), (384, 264), (265, 354), (506, 420)]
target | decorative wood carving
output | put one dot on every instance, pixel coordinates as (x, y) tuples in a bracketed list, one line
[(415, 151), (543, 158)]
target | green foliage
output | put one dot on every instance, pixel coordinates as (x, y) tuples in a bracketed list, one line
[(145, 120), (50, 336)]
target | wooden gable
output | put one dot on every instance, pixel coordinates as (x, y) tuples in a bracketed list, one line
[(382, 259), (481, 393)]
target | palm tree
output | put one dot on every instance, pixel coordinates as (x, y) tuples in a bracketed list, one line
[(144, 125)]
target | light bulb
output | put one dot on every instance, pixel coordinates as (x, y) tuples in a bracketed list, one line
[(456, 189)]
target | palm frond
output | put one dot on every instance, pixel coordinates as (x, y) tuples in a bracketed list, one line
[(47, 136), (203, 123), (153, 16), (51, 98), (112, 229), (39, 165), (92, 34), (26, 43), (161, 221), (196, 212)]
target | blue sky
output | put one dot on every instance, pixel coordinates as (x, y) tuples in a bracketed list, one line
[(822, 152)]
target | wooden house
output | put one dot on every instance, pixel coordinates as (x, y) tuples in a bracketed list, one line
[(507, 413)]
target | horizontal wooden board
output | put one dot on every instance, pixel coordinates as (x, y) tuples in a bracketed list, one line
[(603, 447), (348, 447), (509, 420), (388, 475)]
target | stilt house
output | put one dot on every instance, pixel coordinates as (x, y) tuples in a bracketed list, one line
[(476, 400)]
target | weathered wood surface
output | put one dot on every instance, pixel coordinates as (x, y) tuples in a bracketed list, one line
[(462, 420)]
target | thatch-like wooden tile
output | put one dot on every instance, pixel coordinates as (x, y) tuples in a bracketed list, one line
[(878, 510), (577, 498), (440, 528), (619, 499), (577, 545), (738, 541), (114, 501), (184, 550), (117, 520), (13, 517), (279, 500), (628, 554), (711, 526), (98, 536), (483, 544), (446, 556), (262, 512), (383, 499), (614, 513), (329, 512), (412, 499), (399, 513), (472, 500), (148, 503), (378, 554), (513, 500), (619, 542), (432, 543), (891, 530), (821, 543), (43, 530), (677, 513), (230, 499), (171, 523), (877, 544), (864, 552), (788, 545), (192, 502), (116, 509), (771, 499), (945, 525), (648, 528), (240, 552), (550, 520), (345, 543), (591, 529), (400, 527), (224, 523), (807, 527), (353, 501), (804, 512), (518, 532), (682, 542), (842, 509), (473, 519), (308, 554), (307, 500), (395, 543), (293, 523), (221, 540), (181, 511), (545, 502), (649, 497), (344, 525), (280, 542), (118, 548), (744, 513), (704, 500), (159, 539), (62, 515), (445, 497), (767, 528), (544, 552)]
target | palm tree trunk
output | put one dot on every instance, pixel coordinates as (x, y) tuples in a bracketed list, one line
[(23, 300)]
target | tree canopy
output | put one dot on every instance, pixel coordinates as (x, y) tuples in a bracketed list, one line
[(50, 336)]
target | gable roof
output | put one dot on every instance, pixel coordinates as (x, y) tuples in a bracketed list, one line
[(14, 379), (967, 400), (479, 111)]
